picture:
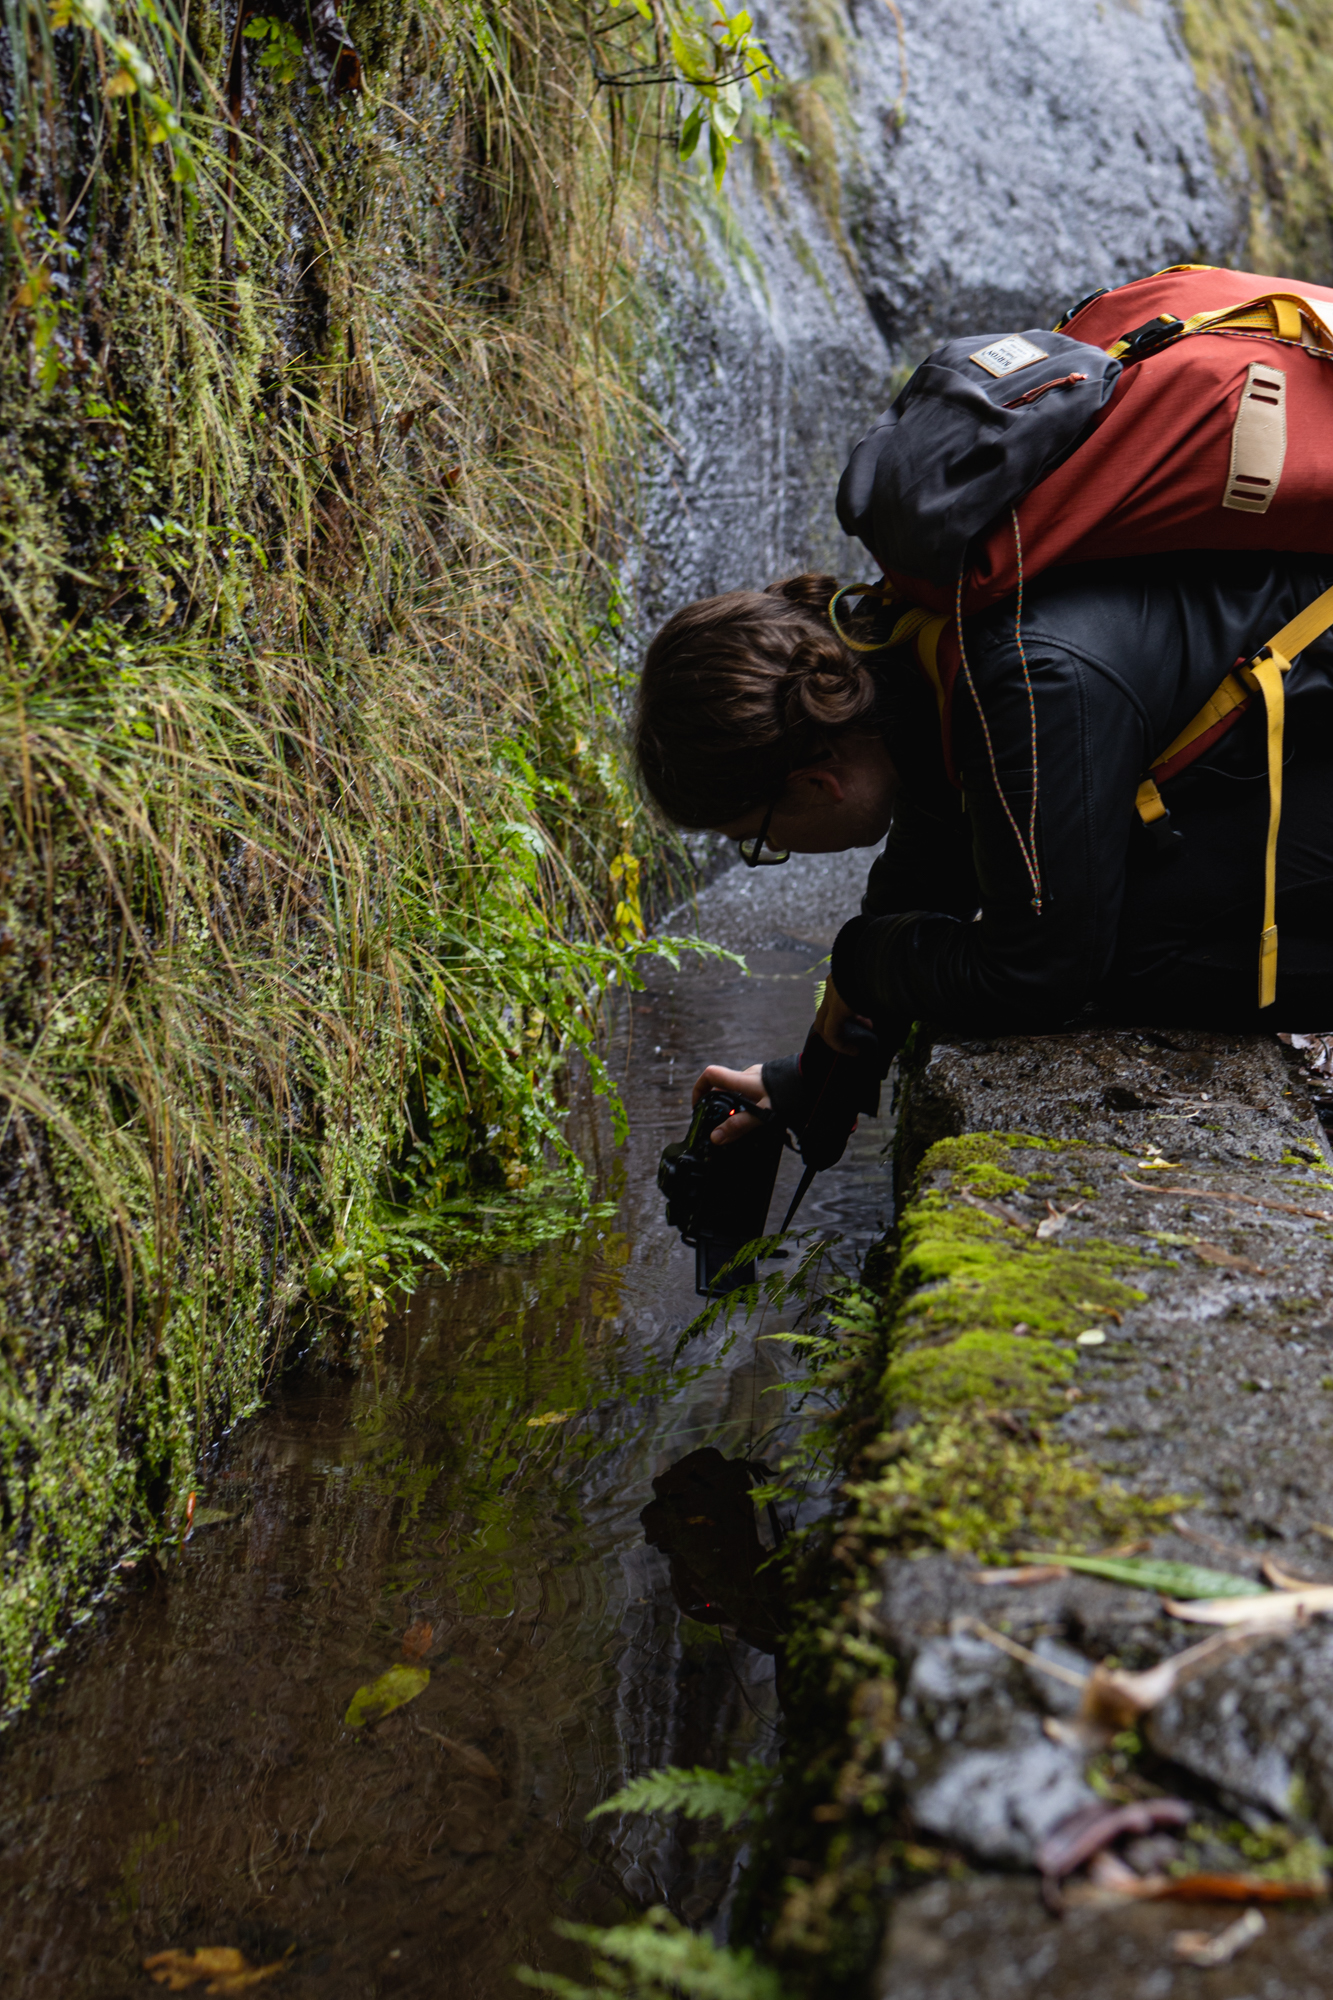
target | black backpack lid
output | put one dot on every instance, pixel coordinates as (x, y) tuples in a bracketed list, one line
[(979, 423)]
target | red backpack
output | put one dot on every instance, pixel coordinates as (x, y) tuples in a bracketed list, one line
[(1216, 433)]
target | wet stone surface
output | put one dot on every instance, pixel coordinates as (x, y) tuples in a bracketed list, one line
[(1211, 1395), (1220, 1385), (990, 1939)]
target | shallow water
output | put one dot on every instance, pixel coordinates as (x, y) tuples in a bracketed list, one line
[(189, 1780)]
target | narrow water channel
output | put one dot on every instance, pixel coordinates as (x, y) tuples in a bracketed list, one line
[(188, 1780)]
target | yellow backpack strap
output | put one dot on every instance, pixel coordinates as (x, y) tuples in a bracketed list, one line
[(884, 592), (1281, 315), (1265, 673), (1263, 676), (1268, 672), (1148, 800), (928, 636)]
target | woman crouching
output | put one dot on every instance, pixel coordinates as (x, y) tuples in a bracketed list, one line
[(1020, 889)]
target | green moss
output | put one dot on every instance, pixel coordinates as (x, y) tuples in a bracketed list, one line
[(988, 1160), (1265, 70), (964, 1485), (959, 1269), (980, 1367), (982, 1319)]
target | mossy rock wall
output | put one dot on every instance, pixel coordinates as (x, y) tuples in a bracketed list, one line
[(312, 787)]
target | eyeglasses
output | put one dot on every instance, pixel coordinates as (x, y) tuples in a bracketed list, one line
[(752, 847)]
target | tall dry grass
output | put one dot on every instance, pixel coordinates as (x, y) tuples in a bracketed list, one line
[(310, 778)]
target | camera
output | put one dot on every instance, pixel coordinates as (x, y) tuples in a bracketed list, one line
[(718, 1196)]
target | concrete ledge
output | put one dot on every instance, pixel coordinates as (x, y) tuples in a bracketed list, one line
[(1107, 1320)]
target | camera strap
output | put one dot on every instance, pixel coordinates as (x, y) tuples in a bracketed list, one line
[(802, 1188)]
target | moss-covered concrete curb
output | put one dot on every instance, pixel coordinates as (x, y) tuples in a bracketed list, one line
[(1040, 1184)]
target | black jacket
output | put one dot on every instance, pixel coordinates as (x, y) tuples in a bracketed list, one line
[(1121, 657)]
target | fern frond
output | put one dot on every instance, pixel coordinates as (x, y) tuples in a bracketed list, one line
[(664, 1961), (699, 1794)]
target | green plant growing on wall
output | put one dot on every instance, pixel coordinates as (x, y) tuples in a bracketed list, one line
[(283, 55), (658, 1959), (316, 844), (1266, 69), (710, 62)]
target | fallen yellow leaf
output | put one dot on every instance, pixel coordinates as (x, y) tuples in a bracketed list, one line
[(550, 1417), (218, 1968), (177, 1970), (381, 1697)]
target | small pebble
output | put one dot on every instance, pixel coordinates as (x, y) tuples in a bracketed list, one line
[(1094, 1337)]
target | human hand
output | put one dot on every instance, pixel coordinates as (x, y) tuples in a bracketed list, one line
[(833, 1014), (746, 1083)]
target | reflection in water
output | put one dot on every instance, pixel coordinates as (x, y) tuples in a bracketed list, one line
[(702, 1519), (191, 1781)]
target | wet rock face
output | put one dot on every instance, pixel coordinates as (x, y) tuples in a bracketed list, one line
[(1044, 148), (971, 1753), (1049, 148), (1261, 1727)]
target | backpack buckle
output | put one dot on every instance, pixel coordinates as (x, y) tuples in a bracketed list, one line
[(1161, 832), (1146, 339)]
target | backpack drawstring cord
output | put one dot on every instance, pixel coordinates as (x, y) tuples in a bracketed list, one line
[(1027, 848)]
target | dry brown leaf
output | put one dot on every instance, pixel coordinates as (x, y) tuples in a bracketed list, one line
[(999, 1211), (1270, 1609), (1236, 1889), (1205, 1949), (1115, 1698), (1055, 1218), (1212, 1253), (1025, 1573), (1110, 1885), (471, 1759), (1283, 1579), (417, 1639), (1317, 1050), (1217, 1194)]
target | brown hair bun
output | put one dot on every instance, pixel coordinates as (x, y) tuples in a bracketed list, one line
[(740, 690)]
